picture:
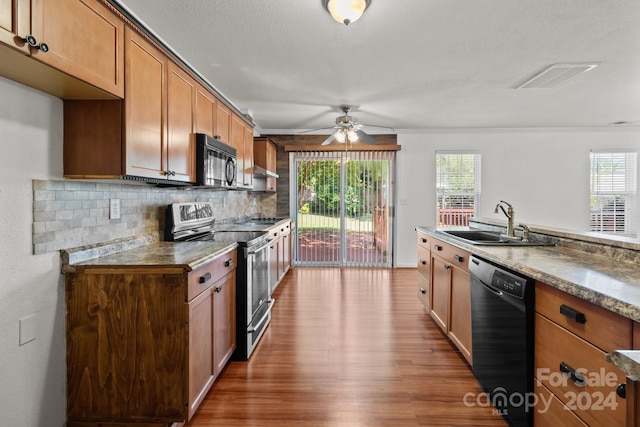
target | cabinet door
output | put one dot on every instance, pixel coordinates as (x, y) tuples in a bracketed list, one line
[(248, 155), (287, 251), (145, 113), (14, 23), (273, 265), (201, 365), (271, 165), (223, 123), (205, 112), (237, 142), (181, 151), (224, 321), (440, 286), (84, 39), (460, 321)]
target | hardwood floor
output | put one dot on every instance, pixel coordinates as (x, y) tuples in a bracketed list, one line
[(347, 347)]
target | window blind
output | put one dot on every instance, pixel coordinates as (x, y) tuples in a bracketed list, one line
[(613, 192), (457, 187)]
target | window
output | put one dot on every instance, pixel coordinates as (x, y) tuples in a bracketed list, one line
[(457, 187), (613, 192)]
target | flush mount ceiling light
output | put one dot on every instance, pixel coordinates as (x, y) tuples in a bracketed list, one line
[(346, 11)]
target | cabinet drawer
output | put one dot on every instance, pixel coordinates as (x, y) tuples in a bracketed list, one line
[(424, 291), (595, 400), (451, 254), (206, 275), (599, 326), (424, 240), (424, 262), (550, 411)]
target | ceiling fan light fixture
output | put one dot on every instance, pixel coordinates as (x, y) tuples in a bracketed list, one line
[(346, 11), (341, 136)]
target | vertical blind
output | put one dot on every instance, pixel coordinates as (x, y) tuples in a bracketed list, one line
[(457, 187), (613, 192), (343, 207)]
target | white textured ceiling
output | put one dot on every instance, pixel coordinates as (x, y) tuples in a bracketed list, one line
[(410, 64)]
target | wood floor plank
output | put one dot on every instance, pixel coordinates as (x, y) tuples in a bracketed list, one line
[(347, 347)]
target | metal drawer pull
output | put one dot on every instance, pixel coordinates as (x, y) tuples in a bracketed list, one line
[(458, 258), (578, 379), (573, 314), (205, 278), (423, 240), (218, 289), (229, 262), (423, 291), (621, 390), (438, 247)]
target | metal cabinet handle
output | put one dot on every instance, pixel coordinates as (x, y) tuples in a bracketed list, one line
[(447, 266), (621, 390), (423, 240), (43, 47), (437, 247), (205, 278), (423, 291), (30, 40), (229, 262), (573, 314), (218, 289), (423, 262), (458, 258), (578, 379)]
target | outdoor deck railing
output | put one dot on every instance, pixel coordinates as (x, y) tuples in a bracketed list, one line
[(454, 217)]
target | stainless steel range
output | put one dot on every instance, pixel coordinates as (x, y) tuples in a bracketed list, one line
[(194, 221)]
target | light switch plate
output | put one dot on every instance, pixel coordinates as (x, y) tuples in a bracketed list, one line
[(27, 329), (114, 208)]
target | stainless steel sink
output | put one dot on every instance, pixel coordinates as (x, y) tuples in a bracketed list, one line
[(488, 238)]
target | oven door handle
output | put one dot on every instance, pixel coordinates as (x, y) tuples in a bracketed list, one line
[(264, 318), (259, 248)]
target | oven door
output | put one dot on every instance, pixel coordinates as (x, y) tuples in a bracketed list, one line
[(257, 280)]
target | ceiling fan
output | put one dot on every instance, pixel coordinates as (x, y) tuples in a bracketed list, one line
[(348, 129)]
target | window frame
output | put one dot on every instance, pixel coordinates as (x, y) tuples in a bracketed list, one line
[(446, 219), (628, 195)]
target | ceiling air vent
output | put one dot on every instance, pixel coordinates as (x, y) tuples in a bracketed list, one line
[(555, 75)]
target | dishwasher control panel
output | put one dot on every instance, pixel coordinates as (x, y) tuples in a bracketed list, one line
[(508, 283)]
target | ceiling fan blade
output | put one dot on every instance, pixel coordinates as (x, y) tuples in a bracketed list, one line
[(313, 130), (364, 137), (376, 126), (330, 139)]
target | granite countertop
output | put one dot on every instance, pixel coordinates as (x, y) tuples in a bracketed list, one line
[(188, 255), (609, 283)]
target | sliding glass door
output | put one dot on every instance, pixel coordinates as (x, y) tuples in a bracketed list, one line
[(343, 205)]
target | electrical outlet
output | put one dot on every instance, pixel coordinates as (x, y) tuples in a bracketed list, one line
[(114, 208)]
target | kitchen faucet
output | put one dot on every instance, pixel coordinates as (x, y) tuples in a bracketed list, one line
[(509, 213)]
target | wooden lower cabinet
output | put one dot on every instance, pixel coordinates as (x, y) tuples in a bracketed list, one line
[(145, 344), (572, 338), (550, 411), (451, 294), (424, 272)]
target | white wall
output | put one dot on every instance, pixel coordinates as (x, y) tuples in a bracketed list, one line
[(32, 376), (543, 173)]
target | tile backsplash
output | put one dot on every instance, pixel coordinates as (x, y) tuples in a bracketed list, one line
[(68, 214)]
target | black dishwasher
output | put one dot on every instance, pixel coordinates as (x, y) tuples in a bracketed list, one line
[(502, 316)]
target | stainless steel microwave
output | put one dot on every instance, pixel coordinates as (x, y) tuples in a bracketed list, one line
[(216, 162)]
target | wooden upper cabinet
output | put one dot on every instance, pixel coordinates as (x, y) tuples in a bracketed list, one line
[(264, 155), (145, 113), (242, 141), (248, 156), (206, 110), (15, 23), (223, 123), (84, 39), (181, 150)]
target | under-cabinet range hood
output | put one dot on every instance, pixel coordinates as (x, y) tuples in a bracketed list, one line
[(260, 172)]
